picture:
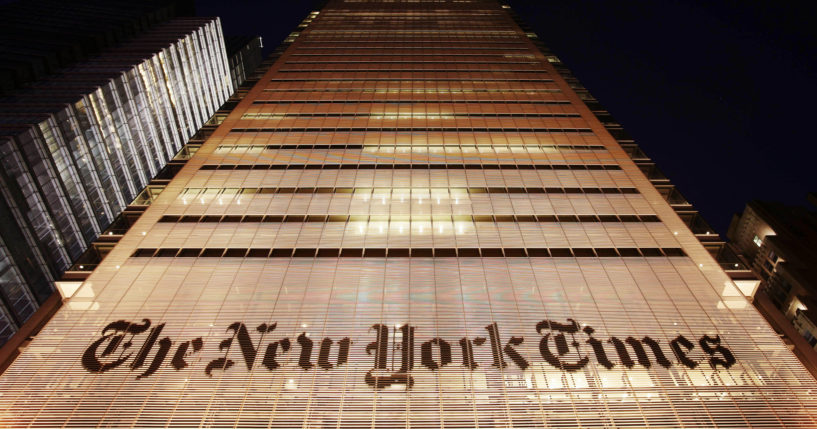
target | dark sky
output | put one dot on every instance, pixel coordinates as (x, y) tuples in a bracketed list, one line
[(720, 94), (273, 20)]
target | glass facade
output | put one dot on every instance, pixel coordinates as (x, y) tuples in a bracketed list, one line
[(244, 53), (77, 148), (410, 221)]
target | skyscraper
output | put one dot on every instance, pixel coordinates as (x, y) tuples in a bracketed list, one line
[(78, 146), (41, 37), (411, 220)]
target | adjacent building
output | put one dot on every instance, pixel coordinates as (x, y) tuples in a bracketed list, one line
[(777, 240), (77, 148), (411, 220), (244, 53), (39, 38)]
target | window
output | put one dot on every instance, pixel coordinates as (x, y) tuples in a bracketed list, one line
[(758, 241)]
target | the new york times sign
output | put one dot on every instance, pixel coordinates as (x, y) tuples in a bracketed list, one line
[(141, 348)]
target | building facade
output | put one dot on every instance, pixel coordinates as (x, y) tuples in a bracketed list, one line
[(244, 53), (777, 240), (411, 220), (79, 146), (39, 38)]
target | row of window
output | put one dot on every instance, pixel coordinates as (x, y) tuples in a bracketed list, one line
[(409, 129), (484, 21), (436, 32), (413, 79), (402, 39), (334, 14), (384, 91), (418, 123), (412, 218), (435, 92), (481, 41), (448, 18), (472, 149), (382, 192), (412, 108), (266, 115), (395, 52), (410, 166), (417, 25), (419, 138), (411, 70), (409, 62), (392, 116), (494, 252), (481, 48), (386, 148)]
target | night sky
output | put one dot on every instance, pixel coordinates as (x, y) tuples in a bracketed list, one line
[(719, 94)]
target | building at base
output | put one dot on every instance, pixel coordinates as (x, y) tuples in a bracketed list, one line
[(777, 241)]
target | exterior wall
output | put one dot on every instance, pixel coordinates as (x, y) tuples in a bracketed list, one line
[(806, 328), (411, 220), (245, 55), (746, 228), (69, 168), (783, 260)]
